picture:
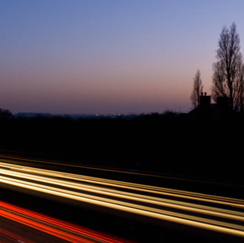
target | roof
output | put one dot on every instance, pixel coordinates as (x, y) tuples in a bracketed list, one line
[(211, 111)]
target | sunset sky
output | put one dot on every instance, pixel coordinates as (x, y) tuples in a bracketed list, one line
[(109, 56)]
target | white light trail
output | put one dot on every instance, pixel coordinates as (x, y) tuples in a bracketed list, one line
[(112, 194)]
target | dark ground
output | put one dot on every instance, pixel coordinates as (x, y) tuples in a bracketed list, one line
[(168, 144)]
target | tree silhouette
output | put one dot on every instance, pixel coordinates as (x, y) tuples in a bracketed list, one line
[(229, 70), (197, 89), (5, 115)]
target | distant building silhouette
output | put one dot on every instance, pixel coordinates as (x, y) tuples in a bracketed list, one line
[(205, 100), (223, 102), (206, 110)]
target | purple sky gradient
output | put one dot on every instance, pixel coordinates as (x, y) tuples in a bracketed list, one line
[(92, 56)]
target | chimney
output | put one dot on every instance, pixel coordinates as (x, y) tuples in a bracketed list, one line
[(205, 100)]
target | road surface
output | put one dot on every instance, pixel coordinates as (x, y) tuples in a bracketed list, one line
[(210, 213)]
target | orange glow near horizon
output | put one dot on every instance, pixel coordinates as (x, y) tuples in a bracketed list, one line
[(111, 57)]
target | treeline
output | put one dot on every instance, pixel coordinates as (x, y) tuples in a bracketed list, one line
[(102, 137), (170, 143)]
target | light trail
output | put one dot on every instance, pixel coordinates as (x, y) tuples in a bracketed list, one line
[(126, 185), (136, 197), (11, 158), (184, 207), (57, 228)]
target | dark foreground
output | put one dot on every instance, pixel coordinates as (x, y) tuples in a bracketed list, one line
[(197, 155), (168, 143)]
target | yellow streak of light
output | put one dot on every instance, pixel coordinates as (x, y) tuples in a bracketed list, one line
[(134, 186), (112, 188), (14, 158), (132, 208), (132, 196)]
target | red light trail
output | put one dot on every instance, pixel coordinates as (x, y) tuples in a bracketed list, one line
[(55, 227)]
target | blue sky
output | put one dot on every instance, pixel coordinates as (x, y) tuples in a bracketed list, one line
[(108, 56)]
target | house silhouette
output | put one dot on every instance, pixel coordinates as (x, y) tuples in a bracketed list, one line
[(207, 110)]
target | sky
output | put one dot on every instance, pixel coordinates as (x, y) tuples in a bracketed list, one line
[(109, 56)]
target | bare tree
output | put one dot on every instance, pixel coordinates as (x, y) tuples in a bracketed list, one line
[(197, 89), (228, 70), (239, 87)]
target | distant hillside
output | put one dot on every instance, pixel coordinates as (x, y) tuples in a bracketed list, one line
[(73, 116), (32, 114)]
